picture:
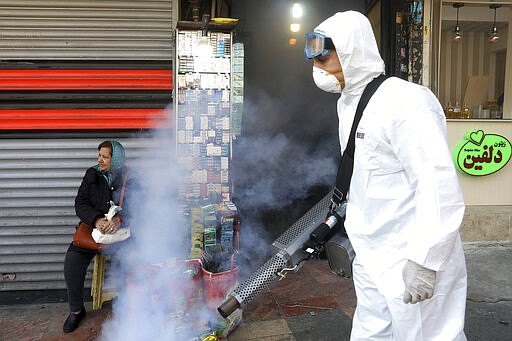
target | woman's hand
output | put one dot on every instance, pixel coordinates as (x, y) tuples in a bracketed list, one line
[(102, 224), (114, 225)]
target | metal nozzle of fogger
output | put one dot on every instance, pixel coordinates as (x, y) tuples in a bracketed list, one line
[(292, 249)]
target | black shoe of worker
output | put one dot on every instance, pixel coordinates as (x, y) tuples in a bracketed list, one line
[(73, 321)]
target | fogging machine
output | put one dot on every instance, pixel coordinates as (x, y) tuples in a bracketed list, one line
[(309, 236)]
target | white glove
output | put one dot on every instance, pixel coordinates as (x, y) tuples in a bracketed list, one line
[(419, 282)]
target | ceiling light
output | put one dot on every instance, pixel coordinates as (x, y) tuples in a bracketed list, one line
[(457, 36), (297, 11), (295, 27), (493, 37)]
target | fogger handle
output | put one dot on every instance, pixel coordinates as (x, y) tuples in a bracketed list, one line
[(319, 235), (322, 232)]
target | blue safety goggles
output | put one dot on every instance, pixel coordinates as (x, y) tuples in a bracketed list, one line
[(317, 45)]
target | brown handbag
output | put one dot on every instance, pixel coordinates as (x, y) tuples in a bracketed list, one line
[(83, 238), (83, 234)]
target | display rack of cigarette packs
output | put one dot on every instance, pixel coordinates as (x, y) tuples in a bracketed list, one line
[(214, 231), (208, 111), (204, 111), (237, 89)]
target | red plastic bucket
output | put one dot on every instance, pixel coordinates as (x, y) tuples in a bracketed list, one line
[(217, 285)]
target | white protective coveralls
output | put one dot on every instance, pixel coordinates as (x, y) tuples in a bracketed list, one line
[(404, 201)]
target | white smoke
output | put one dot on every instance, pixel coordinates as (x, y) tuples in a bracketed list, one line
[(153, 284), (153, 303), (273, 171)]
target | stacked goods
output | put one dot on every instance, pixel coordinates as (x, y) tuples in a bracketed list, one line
[(220, 228), (203, 113), (196, 234), (237, 88), (227, 230), (229, 223), (210, 228), (214, 232), (187, 288), (216, 223)]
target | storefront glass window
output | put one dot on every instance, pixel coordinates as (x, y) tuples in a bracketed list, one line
[(472, 66)]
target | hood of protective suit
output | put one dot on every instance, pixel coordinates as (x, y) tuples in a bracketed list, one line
[(355, 44)]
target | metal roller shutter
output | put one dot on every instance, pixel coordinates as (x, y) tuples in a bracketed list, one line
[(87, 29), (39, 178)]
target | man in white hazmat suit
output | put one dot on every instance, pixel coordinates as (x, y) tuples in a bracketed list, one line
[(404, 203)]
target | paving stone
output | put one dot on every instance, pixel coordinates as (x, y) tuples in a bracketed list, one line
[(272, 330)]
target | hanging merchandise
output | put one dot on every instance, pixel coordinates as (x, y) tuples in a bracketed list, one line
[(409, 42), (401, 43), (415, 41)]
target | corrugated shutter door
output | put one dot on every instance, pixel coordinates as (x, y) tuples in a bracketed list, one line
[(87, 29), (39, 179)]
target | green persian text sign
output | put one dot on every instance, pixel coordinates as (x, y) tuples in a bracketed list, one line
[(482, 154)]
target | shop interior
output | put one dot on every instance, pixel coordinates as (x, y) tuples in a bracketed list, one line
[(473, 61)]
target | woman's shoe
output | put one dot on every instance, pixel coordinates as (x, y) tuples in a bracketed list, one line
[(73, 321)]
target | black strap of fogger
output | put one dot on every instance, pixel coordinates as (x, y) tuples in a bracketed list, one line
[(346, 166)]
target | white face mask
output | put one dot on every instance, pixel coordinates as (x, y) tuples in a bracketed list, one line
[(326, 81)]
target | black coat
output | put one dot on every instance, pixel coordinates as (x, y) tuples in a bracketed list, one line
[(93, 198)]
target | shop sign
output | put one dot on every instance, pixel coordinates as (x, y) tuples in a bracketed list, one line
[(482, 154)]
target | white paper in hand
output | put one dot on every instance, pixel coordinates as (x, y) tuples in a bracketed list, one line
[(110, 238), (112, 211)]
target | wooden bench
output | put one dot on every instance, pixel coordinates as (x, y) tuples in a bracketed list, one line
[(100, 292)]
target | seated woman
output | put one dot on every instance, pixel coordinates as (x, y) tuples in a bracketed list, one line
[(100, 184)]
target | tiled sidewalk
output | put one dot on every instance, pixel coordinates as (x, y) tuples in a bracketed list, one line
[(310, 305), (303, 298)]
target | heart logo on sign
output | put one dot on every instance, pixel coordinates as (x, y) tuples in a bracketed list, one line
[(477, 137)]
